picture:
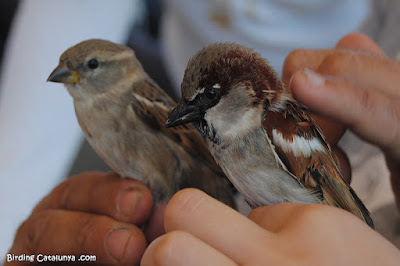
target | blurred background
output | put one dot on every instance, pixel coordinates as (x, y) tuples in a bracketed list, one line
[(41, 142)]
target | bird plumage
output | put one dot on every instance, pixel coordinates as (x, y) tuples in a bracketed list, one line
[(122, 112), (267, 143)]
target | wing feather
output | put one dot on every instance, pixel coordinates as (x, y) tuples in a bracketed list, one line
[(296, 136)]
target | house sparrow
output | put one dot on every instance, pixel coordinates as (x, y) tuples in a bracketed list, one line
[(267, 143), (122, 113)]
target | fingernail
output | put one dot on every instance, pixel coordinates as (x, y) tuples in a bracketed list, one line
[(128, 199), (117, 241), (314, 79)]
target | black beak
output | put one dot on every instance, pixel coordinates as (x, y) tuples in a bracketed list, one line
[(183, 114)]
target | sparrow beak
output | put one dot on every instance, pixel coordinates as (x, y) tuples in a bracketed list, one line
[(63, 74), (183, 114)]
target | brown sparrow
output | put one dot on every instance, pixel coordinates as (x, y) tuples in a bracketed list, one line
[(267, 143), (122, 113)]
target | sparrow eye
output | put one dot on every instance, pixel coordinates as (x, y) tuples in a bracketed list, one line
[(212, 93), (93, 63)]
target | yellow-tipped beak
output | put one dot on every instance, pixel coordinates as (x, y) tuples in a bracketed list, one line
[(63, 74)]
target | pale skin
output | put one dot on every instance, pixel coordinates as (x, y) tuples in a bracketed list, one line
[(202, 231)]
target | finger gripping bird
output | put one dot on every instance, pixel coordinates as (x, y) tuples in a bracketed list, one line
[(267, 143), (122, 113)]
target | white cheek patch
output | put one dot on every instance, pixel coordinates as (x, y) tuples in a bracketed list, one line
[(232, 125), (299, 146)]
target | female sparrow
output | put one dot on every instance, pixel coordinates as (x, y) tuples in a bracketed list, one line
[(267, 144), (122, 112)]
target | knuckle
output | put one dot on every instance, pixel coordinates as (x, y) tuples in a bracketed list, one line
[(369, 105), (333, 64), (84, 233), (31, 233), (292, 60), (25, 238), (63, 190), (256, 214), (366, 100), (64, 194), (393, 140), (314, 212), (56, 199)]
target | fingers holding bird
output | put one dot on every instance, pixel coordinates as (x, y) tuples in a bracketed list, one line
[(112, 242), (357, 76), (92, 213), (331, 82), (347, 61), (219, 236), (123, 199), (202, 231)]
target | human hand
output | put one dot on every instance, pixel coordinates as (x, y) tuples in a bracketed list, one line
[(92, 213), (203, 231), (357, 85)]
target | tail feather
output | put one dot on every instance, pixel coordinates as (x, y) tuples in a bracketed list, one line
[(365, 213)]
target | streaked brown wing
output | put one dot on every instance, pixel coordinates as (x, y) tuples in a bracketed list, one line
[(319, 173), (153, 105)]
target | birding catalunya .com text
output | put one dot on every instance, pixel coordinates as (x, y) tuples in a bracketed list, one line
[(49, 258)]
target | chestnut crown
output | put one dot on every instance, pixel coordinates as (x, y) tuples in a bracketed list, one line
[(227, 64), (215, 72)]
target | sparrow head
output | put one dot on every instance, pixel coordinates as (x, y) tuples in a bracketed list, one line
[(225, 89), (94, 66)]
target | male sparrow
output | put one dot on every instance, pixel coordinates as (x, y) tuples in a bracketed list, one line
[(267, 144), (122, 112)]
